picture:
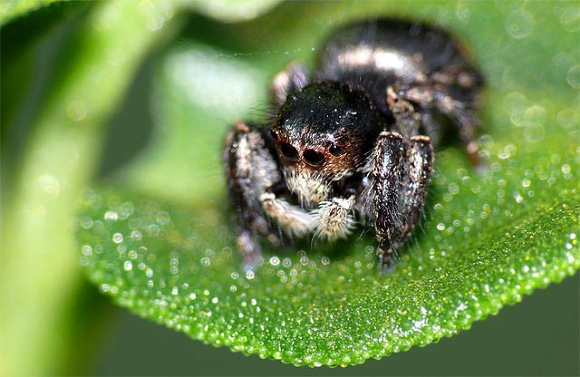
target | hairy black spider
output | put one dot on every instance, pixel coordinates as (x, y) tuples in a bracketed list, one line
[(352, 143)]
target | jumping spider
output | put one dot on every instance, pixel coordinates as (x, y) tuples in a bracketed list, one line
[(353, 142)]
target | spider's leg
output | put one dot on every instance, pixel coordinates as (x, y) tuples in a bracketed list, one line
[(251, 170), (386, 195), (292, 79), (420, 157), (400, 175), (407, 120), (455, 95), (254, 179)]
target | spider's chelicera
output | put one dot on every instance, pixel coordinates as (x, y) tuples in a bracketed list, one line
[(352, 143)]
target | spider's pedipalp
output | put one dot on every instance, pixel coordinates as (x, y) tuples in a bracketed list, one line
[(334, 218)]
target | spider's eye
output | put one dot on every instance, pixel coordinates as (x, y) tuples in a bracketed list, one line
[(289, 152), (335, 150), (273, 135), (313, 157)]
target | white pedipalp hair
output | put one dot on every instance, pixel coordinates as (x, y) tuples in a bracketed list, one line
[(334, 218), (293, 219)]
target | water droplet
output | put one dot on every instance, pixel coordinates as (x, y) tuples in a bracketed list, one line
[(136, 235), (453, 188), (569, 118), (205, 261), (533, 120), (127, 266), (87, 250), (569, 15), (566, 169), (111, 216), (162, 218), (274, 261), (287, 262), (86, 222), (215, 300), (506, 152), (535, 114), (519, 24), (117, 238), (125, 210), (153, 230), (573, 77), (515, 103)]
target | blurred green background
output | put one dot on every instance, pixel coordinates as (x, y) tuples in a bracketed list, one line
[(540, 336)]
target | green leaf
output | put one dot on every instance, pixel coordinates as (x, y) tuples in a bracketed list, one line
[(10, 10), (43, 175), (159, 239)]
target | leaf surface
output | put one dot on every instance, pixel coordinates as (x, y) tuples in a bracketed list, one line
[(160, 242)]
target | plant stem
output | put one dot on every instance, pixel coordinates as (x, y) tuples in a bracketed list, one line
[(41, 277)]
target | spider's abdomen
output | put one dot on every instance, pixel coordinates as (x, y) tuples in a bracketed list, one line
[(376, 54)]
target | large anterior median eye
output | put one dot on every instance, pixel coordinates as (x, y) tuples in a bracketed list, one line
[(289, 152), (313, 157)]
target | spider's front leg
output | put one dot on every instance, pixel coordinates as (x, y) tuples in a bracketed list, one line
[(253, 179), (251, 169), (401, 170)]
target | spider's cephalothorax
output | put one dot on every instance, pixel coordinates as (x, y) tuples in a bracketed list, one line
[(322, 135), (353, 142)]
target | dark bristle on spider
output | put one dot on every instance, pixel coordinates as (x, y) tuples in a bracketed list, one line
[(351, 143)]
